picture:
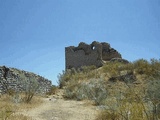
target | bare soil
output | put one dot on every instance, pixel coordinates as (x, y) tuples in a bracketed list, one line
[(57, 108)]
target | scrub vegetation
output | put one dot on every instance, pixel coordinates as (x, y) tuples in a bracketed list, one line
[(121, 91), (14, 101)]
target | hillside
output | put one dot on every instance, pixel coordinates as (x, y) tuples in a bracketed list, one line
[(123, 90), (115, 91)]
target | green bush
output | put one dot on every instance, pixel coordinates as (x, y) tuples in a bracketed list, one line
[(65, 76), (153, 96), (93, 90), (96, 90), (71, 89), (30, 87)]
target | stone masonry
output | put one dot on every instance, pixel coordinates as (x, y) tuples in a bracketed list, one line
[(86, 55), (16, 80)]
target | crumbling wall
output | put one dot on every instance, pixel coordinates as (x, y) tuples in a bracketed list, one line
[(109, 53), (85, 55), (14, 79)]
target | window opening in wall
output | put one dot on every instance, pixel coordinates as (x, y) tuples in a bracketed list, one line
[(93, 47)]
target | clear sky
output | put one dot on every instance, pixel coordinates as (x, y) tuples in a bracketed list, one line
[(34, 33)]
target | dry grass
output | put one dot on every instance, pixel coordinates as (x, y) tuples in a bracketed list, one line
[(6, 107), (19, 117), (94, 84), (36, 101), (9, 110), (107, 115)]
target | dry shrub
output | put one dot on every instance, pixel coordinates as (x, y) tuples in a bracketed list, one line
[(7, 108), (128, 101), (124, 101), (112, 68), (108, 115), (94, 90), (143, 67), (150, 68), (19, 117), (126, 111), (36, 101), (52, 90), (85, 72)]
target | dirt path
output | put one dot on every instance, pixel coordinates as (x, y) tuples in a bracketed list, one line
[(60, 109)]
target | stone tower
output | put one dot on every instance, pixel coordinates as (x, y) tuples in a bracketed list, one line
[(93, 54)]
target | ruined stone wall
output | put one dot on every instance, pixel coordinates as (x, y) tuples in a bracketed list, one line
[(109, 53), (16, 80), (76, 59), (85, 55)]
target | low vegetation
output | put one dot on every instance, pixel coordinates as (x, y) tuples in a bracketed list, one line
[(121, 91), (14, 101), (52, 90), (9, 110)]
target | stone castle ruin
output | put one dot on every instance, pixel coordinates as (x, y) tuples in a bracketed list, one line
[(93, 54)]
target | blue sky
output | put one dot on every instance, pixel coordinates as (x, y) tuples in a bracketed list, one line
[(34, 33)]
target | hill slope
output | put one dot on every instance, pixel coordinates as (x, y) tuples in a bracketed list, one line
[(125, 91)]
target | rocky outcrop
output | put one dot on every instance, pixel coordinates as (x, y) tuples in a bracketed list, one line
[(16, 80), (119, 60), (89, 54), (127, 78)]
